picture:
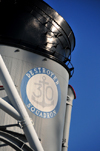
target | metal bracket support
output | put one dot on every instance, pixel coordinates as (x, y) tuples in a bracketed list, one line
[(22, 123)]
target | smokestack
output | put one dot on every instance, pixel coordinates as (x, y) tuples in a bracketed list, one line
[(36, 45)]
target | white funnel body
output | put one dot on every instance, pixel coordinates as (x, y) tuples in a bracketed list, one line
[(48, 114)]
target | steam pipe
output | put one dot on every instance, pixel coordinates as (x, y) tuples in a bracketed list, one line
[(70, 96), (18, 104), (5, 106)]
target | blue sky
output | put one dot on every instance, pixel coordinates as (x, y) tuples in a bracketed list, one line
[(84, 18)]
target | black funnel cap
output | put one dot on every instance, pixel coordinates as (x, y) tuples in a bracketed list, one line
[(34, 26)]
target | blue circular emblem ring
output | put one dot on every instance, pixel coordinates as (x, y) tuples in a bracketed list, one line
[(40, 91)]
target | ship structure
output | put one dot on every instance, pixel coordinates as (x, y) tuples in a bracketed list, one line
[(35, 67)]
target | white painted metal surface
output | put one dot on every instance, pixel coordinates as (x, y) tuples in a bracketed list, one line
[(17, 102), (50, 131)]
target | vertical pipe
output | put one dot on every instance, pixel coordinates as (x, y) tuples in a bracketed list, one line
[(70, 96), (18, 104)]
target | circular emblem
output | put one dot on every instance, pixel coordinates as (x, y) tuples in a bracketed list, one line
[(40, 92)]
